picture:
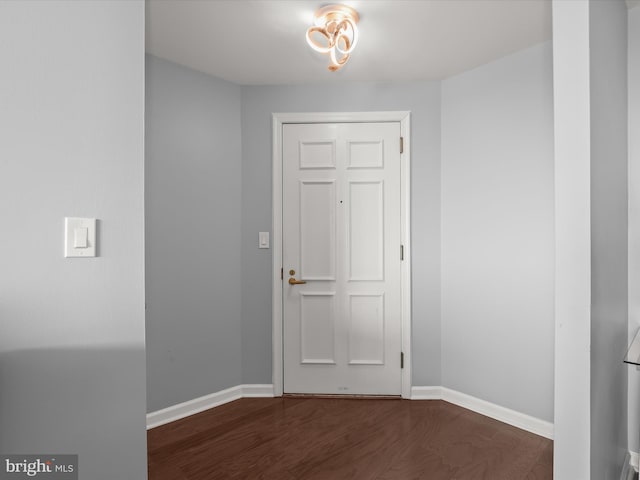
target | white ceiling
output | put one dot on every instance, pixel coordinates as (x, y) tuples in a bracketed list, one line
[(254, 42)]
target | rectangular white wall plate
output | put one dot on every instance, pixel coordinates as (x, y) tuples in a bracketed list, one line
[(263, 239), (79, 237)]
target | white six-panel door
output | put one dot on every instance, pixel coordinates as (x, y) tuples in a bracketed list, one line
[(341, 235)]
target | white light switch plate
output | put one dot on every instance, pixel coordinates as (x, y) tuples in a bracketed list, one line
[(263, 240), (74, 234)]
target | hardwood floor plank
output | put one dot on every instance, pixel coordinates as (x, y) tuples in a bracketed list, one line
[(419, 464), (322, 435), (540, 472), (546, 457), (165, 471), (333, 439), (180, 435), (323, 441), (177, 430), (358, 454)]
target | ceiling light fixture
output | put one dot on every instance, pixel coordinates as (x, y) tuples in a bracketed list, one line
[(335, 32)]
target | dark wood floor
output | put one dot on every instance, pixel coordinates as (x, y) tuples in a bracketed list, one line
[(332, 439)]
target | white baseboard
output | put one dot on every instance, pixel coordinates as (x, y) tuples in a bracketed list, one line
[(197, 405), (634, 460), (257, 390), (628, 468), (503, 414), (511, 417), (426, 393)]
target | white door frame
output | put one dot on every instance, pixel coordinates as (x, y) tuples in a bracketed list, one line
[(278, 119)]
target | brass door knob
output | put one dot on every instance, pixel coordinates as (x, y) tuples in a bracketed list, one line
[(293, 281)]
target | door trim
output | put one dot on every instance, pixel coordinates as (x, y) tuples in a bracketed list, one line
[(278, 120)]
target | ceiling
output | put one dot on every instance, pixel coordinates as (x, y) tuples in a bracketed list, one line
[(258, 42)]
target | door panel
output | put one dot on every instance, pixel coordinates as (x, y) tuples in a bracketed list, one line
[(366, 231), (318, 230), (366, 329), (317, 328), (341, 235)]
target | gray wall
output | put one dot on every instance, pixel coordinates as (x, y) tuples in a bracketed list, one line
[(497, 232), (72, 366), (258, 103), (609, 221), (634, 219), (193, 196)]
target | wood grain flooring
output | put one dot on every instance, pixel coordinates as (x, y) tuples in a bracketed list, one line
[(334, 439)]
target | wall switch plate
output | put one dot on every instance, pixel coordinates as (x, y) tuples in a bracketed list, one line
[(79, 237), (263, 240)]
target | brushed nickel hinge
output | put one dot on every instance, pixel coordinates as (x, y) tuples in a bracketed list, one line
[(401, 144), (401, 359), (401, 252)]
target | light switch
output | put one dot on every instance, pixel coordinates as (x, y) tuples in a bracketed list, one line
[(79, 237), (263, 240)]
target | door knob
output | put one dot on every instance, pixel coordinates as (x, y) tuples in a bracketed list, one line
[(293, 281)]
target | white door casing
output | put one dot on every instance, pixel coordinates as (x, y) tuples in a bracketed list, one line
[(360, 286)]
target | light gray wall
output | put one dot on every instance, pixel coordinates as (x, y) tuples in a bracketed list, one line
[(497, 232), (258, 103), (193, 234), (634, 219), (609, 230), (72, 365)]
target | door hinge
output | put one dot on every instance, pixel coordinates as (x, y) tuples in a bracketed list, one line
[(281, 273), (401, 359), (401, 144), (401, 252)]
